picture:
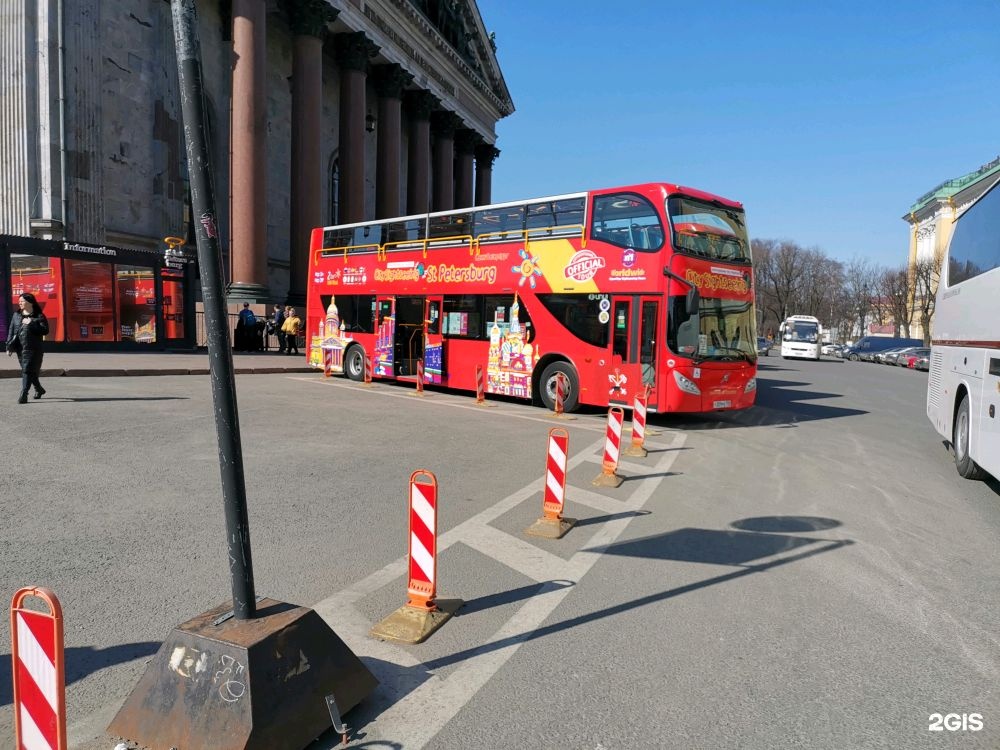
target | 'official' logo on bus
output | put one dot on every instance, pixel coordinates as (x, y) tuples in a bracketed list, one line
[(583, 265)]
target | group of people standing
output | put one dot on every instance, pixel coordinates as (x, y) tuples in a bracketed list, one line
[(286, 325), (251, 333)]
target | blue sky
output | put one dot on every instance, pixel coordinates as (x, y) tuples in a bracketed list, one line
[(827, 120)]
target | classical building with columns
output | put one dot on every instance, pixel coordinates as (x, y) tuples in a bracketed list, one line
[(319, 112)]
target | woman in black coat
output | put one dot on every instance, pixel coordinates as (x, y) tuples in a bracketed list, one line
[(27, 329)]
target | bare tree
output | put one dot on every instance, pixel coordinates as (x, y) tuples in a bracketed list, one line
[(894, 291), (926, 276), (859, 287)]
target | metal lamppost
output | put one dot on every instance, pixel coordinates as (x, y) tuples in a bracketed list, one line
[(212, 683)]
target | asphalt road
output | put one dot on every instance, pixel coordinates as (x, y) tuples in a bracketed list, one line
[(808, 573)]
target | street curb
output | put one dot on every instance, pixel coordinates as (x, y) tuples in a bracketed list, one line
[(130, 373)]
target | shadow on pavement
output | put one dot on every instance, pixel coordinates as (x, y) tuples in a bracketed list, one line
[(779, 403), (81, 661), (63, 399), (612, 517), (506, 597), (694, 545), (782, 524)]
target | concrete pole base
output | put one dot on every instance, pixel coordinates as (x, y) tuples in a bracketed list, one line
[(550, 528), (608, 480), (411, 625), (257, 684)]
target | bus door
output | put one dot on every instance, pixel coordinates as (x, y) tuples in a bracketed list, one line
[(385, 340), (633, 348), (433, 340)]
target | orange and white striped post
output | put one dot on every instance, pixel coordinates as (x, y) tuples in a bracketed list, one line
[(327, 362), (423, 613), (368, 371), (552, 524), (420, 379), (39, 672), (481, 388), (559, 398), (612, 447), (638, 445), (422, 586)]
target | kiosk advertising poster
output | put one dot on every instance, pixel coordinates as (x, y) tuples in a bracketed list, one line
[(89, 301), (137, 304), (41, 276)]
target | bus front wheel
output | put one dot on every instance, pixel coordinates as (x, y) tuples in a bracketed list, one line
[(354, 363), (548, 386), (960, 441)]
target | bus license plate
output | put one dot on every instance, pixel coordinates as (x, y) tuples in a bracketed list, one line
[(721, 404)]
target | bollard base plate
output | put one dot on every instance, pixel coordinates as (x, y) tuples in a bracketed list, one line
[(635, 450), (486, 405), (551, 528), (411, 625), (257, 684), (608, 480), (563, 416)]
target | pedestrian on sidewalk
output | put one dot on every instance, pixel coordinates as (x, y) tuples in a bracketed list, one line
[(291, 328), (24, 338), (277, 321)]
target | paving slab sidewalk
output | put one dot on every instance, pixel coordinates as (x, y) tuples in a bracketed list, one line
[(125, 364)]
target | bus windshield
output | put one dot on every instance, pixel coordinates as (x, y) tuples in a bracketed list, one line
[(708, 230), (802, 331), (722, 330)]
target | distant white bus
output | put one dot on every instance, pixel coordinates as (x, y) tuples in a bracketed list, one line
[(801, 336), (963, 385)]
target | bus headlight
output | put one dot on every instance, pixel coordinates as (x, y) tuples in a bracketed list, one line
[(751, 385), (688, 386)]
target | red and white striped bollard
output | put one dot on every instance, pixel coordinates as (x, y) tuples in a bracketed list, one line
[(612, 447), (422, 585), (552, 524), (39, 673), (481, 388), (638, 445), (420, 378)]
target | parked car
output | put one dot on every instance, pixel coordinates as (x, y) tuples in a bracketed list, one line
[(923, 362), (894, 356), (868, 345), (910, 357), (763, 347)]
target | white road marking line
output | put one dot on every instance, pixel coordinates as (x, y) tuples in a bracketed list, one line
[(417, 706), (521, 555)]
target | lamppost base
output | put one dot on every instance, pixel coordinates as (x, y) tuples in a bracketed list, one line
[(257, 684)]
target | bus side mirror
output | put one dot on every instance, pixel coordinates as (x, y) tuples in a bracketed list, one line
[(692, 301)]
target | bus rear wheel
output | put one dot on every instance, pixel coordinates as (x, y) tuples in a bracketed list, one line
[(354, 363), (547, 389), (960, 442)]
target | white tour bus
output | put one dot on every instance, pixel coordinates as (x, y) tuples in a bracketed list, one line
[(801, 336), (963, 385)]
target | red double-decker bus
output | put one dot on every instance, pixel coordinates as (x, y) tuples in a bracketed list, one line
[(624, 289)]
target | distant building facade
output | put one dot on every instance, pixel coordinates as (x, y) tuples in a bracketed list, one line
[(319, 112), (932, 217)]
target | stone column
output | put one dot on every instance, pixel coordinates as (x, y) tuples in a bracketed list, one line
[(485, 154), (353, 52), (466, 141), (420, 104), (389, 83), (443, 126), (248, 168), (308, 20)]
